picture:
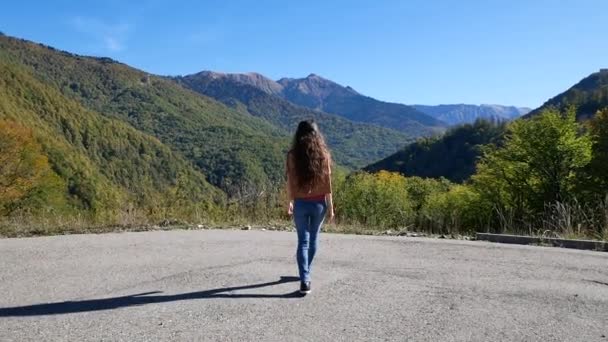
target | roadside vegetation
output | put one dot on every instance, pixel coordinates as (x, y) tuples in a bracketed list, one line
[(548, 177)]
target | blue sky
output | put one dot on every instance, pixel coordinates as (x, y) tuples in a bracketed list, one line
[(518, 52)]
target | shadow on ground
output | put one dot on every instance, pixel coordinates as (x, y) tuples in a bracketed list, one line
[(142, 299)]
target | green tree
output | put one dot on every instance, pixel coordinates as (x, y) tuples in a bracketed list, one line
[(537, 165), (596, 174)]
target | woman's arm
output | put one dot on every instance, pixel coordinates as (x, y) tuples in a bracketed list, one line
[(288, 178), (289, 199), (329, 199), (330, 207)]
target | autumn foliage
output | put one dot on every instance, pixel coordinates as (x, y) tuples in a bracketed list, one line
[(23, 166)]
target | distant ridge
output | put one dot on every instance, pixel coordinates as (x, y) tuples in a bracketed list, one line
[(456, 114), (320, 94)]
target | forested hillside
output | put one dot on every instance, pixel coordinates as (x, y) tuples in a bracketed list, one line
[(236, 152), (452, 155), (79, 159), (587, 96)]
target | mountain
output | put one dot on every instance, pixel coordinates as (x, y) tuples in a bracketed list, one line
[(241, 154), (251, 78), (321, 94), (589, 95), (353, 144), (451, 156), (456, 114), (314, 91)]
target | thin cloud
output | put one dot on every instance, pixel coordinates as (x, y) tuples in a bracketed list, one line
[(204, 36), (113, 44), (110, 37)]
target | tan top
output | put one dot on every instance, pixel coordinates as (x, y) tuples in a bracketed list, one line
[(320, 189)]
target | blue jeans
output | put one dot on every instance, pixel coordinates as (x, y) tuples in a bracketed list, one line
[(308, 217)]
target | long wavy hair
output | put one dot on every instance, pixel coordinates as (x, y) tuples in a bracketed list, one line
[(311, 158)]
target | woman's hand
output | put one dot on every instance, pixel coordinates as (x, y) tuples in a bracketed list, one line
[(329, 200), (331, 216), (290, 208)]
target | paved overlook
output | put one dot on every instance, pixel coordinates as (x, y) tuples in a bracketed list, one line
[(239, 286)]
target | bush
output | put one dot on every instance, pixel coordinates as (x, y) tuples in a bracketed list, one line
[(457, 211), (378, 200), (420, 189)]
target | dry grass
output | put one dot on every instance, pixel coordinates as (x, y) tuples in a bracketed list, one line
[(571, 221)]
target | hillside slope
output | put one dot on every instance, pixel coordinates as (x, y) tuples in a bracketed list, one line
[(104, 163), (452, 156), (588, 96)]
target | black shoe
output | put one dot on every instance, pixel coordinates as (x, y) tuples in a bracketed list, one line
[(305, 287)]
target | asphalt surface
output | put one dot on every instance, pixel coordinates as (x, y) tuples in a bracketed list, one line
[(239, 286)]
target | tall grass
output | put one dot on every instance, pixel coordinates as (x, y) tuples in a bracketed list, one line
[(559, 219)]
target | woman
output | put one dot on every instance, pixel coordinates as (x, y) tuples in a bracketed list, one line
[(309, 191)]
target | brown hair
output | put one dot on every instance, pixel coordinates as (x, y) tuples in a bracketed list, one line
[(311, 158)]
